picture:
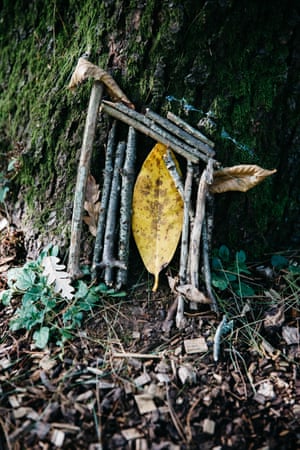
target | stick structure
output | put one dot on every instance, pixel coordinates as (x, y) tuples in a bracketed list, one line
[(192, 131), (181, 133), (126, 205), (171, 166), (107, 179), (82, 174), (149, 128)]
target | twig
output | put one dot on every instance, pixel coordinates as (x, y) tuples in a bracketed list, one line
[(126, 202), (186, 127), (206, 266), (184, 243), (82, 174), (174, 417), (205, 180), (146, 126), (108, 174), (171, 166), (110, 230), (223, 328), (197, 229), (136, 355), (181, 133)]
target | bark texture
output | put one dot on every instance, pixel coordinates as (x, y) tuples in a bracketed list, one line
[(232, 66)]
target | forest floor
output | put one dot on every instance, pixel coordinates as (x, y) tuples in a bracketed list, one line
[(124, 383)]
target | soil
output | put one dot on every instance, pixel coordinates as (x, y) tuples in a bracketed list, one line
[(125, 383)]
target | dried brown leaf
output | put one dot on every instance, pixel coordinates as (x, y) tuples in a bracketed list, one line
[(192, 293), (238, 178), (91, 204), (86, 69)]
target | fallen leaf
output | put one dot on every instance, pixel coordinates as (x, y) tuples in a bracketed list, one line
[(85, 69), (157, 213), (238, 178), (92, 204), (192, 293), (57, 276)]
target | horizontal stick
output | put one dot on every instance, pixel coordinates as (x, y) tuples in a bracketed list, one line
[(136, 355), (186, 127), (181, 133), (146, 126)]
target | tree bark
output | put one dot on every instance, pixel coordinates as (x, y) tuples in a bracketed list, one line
[(231, 67)]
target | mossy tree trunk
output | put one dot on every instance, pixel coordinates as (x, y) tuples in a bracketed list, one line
[(231, 65)]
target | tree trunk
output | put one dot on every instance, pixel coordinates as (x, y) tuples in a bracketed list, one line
[(230, 66)]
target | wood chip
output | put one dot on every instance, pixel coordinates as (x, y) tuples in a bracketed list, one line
[(142, 379), (208, 426), (57, 438), (197, 345), (145, 403), (131, 433)]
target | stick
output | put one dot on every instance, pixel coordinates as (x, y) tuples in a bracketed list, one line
[(146, 126), (206, 266), (180, 322), (108, 174), (196, 232), (82, 174), (171, 166), (110, 230), (181, 133), (186, 127), (126, 205)]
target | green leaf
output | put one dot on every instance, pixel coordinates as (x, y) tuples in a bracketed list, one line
[(6, 296), (279, 262), (243, 290), (224, 253), (3, 192), (240, 257), (82, 290), (21, 278), (101, 288), (41, 337), (219, 282)]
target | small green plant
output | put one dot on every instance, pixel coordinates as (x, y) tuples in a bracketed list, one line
[(50, 306), (227, 272)]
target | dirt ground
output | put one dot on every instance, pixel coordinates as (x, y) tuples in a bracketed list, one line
[(129, 379)]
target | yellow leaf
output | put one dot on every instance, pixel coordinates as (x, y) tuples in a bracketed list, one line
[(238, 178), (157, 213)]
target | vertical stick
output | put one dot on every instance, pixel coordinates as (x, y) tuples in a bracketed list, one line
[(206, 265), (108, 174), (82, 174), (184, 243), (126, 205), (197, 228), (111, 222)]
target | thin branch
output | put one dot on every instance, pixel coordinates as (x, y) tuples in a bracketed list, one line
[(146, 126), (181, 133), (184, 243), (82, 174), (110, 230), (186, 127), (108, 174), (126, 205), (206, 266), (171, 166), (197, 229)]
